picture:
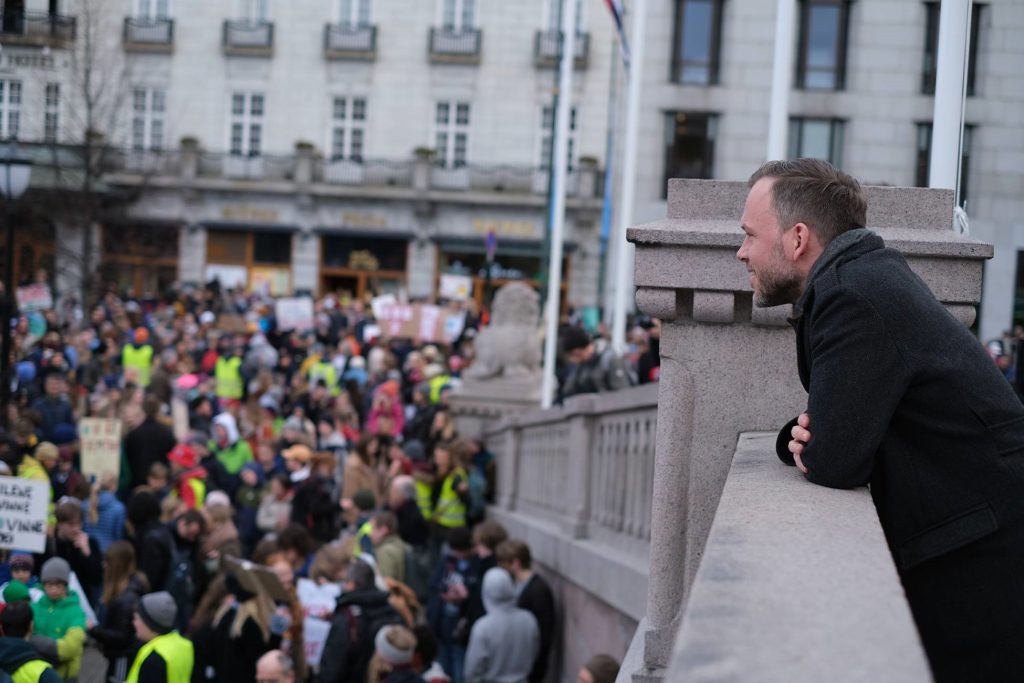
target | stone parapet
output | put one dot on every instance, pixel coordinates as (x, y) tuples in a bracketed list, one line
[(796, 584)]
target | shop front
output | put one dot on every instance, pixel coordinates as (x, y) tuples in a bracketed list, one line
[(363, 265), (513, 261), (141, 259), (254, 259)]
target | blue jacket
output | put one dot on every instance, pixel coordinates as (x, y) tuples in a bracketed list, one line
[(109, 526)]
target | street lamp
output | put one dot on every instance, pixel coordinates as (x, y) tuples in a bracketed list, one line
[(15, 169)]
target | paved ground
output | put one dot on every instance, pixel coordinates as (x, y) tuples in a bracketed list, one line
[(94, 666)]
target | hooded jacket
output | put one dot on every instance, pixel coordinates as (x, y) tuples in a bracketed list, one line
[(64, 622), (237, 452), (504, 643), (15, 653), (360, 613)]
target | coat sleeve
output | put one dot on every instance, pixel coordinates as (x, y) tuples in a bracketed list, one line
[(332, 663), (71, 645), (857, 378)]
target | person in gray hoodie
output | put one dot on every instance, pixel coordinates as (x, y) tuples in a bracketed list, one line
[(503, 643)]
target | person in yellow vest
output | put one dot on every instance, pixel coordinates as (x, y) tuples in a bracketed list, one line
[(19, 659), (449, 495), (165, 656), (323, 370), (188, 479), (137, 358), (437, 379), (228, 373)]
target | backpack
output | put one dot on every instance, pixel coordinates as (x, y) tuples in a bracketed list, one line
[(179, 581)]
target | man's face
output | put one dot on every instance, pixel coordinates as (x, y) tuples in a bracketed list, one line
[(772, 276), (268, 670), (580, 355), (52, 386)]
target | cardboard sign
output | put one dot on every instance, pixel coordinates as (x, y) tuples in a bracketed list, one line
[(294, 313), (36, 297), (24, 506), (101, 445), (456, 287), (315, 632), (421, 321)]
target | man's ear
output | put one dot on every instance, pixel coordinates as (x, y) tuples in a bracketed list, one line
[(802, 240)]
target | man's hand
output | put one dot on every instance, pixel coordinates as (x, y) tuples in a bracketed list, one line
[(801, 437), (81, 541)]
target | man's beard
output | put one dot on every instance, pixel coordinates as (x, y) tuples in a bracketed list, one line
[(776, 284)]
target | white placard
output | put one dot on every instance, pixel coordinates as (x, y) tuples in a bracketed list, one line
[(379, 303), (230, 277), (456, 287), (24, 505), (101, 445), (317, 600), (315, 632), (295, 313)]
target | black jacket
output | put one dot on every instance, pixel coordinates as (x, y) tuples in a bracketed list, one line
[(171, 563), (903, 397), (89, 570), (537, 599), (412, 528), (236, 656), (349, 647), (148, 443), (116, 635)]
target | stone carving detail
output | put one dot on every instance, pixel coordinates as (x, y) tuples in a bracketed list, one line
[(509, 346)]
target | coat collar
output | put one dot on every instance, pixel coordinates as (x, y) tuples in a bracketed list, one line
[(850, 244)]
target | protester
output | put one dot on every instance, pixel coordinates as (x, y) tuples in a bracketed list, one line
[(393, 661), (456, 577), (19, 659), (123, 585), (275, 666), (188, 479), (148, 443), (534, 595), (388, 548), (244, 630), (82, 552), (104, 513), (59, 630), (170, 561), (165, 656), (504, 643), (590, 369)]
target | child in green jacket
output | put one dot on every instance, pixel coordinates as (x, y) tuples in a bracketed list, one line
[(59, 620)]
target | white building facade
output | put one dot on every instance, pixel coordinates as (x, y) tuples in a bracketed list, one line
[(862, 97)]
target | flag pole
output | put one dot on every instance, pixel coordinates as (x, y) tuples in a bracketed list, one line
[(568, 49)]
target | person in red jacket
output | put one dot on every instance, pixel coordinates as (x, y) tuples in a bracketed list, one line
[(188, 479)]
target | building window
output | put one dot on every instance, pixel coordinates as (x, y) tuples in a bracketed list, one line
[(689, 146), (10, 109), (354, 13), (148, 109), (347, 128), (924, 156), (816, 139), (547, 122), (255, 10), (821, 59), (457, 14), (51, 113), (153, 9), (553, 15), (246, 124), (451, 123), (697, 44), (931, 47)]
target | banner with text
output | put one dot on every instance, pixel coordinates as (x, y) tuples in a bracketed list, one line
[(295, 313), (422, 322), (24, 506)]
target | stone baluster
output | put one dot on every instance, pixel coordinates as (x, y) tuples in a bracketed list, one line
[(581, 440)]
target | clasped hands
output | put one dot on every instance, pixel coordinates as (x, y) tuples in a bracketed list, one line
[(801, 437)]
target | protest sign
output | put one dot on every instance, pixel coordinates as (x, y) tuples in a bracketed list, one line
[(317, 600), (294, 313), (379, 303), (256, 578), (422, 322), (37, 297), (101, 445), (315, 632), (456, 287), (24, 506)]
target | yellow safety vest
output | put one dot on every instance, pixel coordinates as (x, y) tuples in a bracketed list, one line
[(436, 384), (30, 671), (423, 499), (229, 377), (365, 530), (139, 359), (177, 653), (327, 373), (451, 511)]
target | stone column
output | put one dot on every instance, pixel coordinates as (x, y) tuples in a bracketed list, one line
[(189, 158), (306, 262), (192, 255), (303, 165), (728, 367)]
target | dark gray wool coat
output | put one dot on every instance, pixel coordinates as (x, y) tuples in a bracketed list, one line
[(901, 396)]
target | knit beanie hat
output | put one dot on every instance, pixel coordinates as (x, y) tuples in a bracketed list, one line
[(158, 611), (22, 561), (395, 645), (55, 569), (16, 591)]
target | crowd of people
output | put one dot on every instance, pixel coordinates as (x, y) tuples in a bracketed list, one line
[(290, 504)]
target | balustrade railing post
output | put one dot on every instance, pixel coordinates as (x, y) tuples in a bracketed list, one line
[(581, 440), (508, 465)]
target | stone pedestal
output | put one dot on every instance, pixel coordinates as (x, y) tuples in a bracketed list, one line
[(479, 405), (728, 367)]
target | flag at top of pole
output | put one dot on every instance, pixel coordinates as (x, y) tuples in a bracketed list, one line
[(615, 7)]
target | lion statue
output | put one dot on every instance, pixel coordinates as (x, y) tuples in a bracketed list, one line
[(509, 346)]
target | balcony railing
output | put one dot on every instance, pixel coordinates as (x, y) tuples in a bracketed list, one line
[(367, 173), (547, 49), (148, 35), (248, 38), (36, 28), (342, 41), (455, 46)]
